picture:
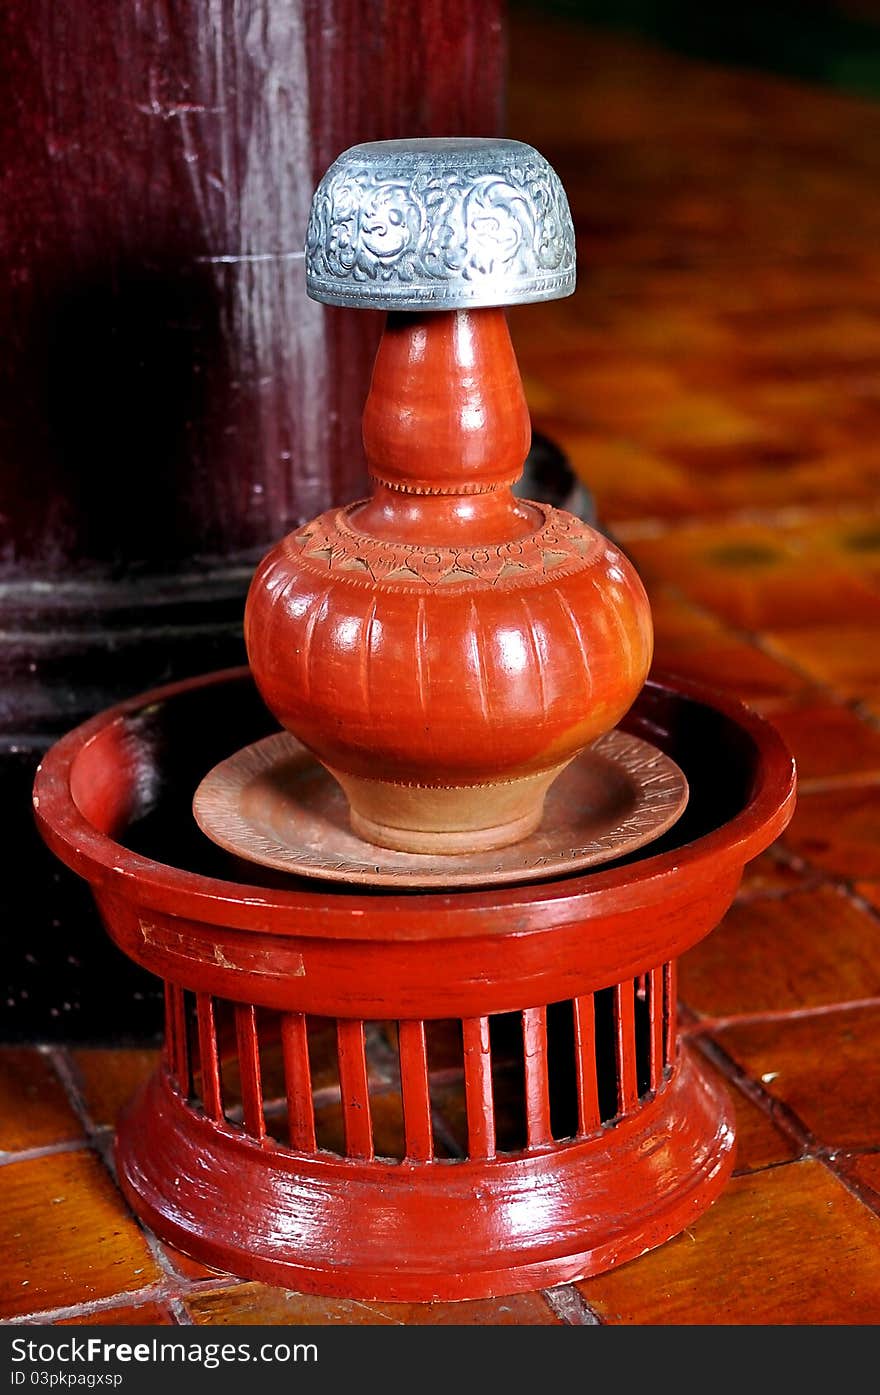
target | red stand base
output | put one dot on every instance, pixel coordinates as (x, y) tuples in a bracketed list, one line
[(419, 1231), (620, 1140)]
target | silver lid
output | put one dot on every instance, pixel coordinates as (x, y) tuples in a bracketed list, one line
[(439, 225)]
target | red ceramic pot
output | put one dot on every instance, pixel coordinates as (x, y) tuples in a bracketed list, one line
[(444, 648)]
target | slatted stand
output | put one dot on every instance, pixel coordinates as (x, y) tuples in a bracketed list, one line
[(582, 969)]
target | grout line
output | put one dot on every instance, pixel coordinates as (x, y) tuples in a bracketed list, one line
[(750, 894), (782, 1115), (840, 1166), (382, 1056), (101, 1138), (443, 1133), (67, 1073), (568, 1303), (179, 1313), (807, 1155), (48, 1150), (792, 1127), (697, 1027), (762, 639), (137, 1298), (687, 1019), (860, 901), (757, 639), (103, 1144), (164, 1261)]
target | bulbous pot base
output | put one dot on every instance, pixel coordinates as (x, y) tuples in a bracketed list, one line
[(458, 819)]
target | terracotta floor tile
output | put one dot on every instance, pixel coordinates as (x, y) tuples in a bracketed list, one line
[(66, 1236), (758, 1142), (678, 417), (188, 1267), (34, 1109), (866, 1168), (830, 742), (822, 1066), (771, 872), (271, 1070), (844, 656), (743, 670), (253, 1304), (626, 479), (838, 831), (757, 577), (109, 1078), (681, 626), (595, 393), (789, 1245), (510, 1125), (766, 479), (146, 1315), (870, 891), (386, 1113), (445, 1046), (771, 954), (853, 540), (322, 1059)]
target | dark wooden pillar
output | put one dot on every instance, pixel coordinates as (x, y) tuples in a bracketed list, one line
[(170, 401)]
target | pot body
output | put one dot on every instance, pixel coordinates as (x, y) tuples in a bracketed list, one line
[(448, 669)]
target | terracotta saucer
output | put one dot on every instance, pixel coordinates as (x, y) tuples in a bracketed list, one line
[(274, 804)]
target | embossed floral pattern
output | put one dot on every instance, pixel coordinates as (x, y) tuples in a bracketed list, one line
[(449, 227)]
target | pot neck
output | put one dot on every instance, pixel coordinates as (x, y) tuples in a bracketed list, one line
[(446, 431)]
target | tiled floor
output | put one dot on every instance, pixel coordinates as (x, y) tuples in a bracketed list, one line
[(717, 381)]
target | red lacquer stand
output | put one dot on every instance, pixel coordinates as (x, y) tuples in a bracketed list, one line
[(652, 1140)]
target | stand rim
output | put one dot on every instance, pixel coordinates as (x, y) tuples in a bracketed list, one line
[(107, 864)]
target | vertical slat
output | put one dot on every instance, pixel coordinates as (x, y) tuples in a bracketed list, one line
[(478, 1087), (298, 1082), (355, 1089), (209, 1059), (537, 1086), (657, 1026), (415, 1091), (585, 1064), (249, 1069), (625, 1035), (170, 1030), (179, 1050), (670, 1015)]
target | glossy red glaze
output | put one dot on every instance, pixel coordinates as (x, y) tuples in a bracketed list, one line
[(113, 800), (442, 635), (446, 413), (411, 1231), (99, 783)]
